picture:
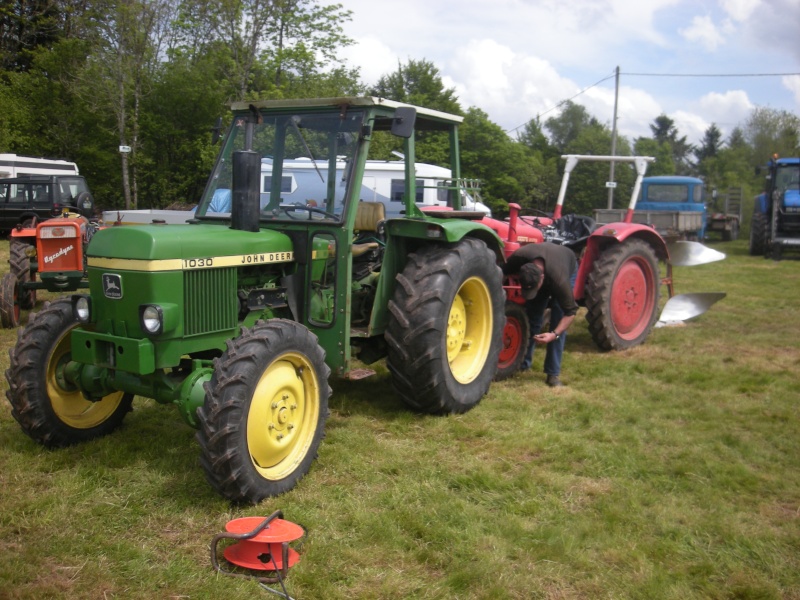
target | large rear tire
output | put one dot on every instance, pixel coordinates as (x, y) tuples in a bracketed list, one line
[(265, 411), (445, 326), (49, 409), (758, 234), (516, 337), (622, 295)]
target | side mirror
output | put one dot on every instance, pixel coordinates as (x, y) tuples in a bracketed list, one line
[(405, 117), (216, 131)]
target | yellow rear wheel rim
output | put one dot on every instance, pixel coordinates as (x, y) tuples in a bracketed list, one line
[(469, 330)]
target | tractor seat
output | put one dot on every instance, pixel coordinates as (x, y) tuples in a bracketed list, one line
[(369, 218)]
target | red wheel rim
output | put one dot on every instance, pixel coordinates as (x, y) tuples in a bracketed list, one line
[(632, 298), (512, 342)]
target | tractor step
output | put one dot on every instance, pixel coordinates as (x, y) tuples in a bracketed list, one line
[(356, 374)]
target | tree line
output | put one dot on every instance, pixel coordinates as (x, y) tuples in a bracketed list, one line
[(80, 78)]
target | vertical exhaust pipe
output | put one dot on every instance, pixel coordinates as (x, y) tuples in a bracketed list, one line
[(246, 192)]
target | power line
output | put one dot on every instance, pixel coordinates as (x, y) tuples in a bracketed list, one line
[(586, 89), (710, 74)]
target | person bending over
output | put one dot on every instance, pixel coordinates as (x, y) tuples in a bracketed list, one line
[(547, 275)]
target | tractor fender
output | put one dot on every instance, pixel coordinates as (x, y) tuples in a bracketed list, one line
[(612, 234), (762, 203), (20, 233), (446, 230)]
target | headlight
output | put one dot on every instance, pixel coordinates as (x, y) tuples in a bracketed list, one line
[(82, 308), (151, 318)]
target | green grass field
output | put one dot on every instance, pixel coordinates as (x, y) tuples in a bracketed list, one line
[(667, 471)]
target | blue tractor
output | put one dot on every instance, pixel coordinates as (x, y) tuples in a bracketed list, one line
[(776, 214)]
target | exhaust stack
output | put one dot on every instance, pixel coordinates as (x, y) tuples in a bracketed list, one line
[(246, 195)]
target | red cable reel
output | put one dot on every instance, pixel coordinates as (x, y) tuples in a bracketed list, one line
[(262, 545)]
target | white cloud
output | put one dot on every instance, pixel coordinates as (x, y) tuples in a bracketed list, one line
[(691, 125), (703, 31), (373, 57), (726, 110), (792, 83), (635, 111), (740, 10), (512, 88)]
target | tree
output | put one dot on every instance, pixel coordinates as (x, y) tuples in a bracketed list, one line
[(502, 165), (587, 189), (664, 131), (304, 39), (770, 131), (26, 26), (420, 83), (132, 38), (567, 126), (710, 145), (661, 151)]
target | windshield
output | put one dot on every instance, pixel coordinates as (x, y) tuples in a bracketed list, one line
[(306, 163), (670, 192), (787, 178), (70, 187)]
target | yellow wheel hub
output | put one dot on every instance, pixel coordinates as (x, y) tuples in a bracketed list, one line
[(68, 403), (469, 330), (283, 416)]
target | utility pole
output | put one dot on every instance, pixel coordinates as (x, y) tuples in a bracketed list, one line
[(611, 182)]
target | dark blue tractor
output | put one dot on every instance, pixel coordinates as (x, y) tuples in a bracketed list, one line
[(776, 214)]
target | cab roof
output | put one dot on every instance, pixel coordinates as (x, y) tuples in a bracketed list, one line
[(423, 114)]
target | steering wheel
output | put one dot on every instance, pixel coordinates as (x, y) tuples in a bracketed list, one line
[(311, 209)]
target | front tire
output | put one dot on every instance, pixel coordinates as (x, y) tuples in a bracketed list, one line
[(516, 337), (265, 411), (622, 295), (445, 326), (20, 266), (9, 301), (49, 409)]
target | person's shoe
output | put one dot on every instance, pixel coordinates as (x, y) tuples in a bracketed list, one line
[(554, 381)]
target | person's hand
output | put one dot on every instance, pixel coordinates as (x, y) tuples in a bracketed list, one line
[(545, 338)]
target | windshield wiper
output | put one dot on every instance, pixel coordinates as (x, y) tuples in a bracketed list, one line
[(293, 120)]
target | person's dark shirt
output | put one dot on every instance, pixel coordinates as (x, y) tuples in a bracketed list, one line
[(559, 264)]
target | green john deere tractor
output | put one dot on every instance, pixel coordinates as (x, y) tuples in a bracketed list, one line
[(283, 275)]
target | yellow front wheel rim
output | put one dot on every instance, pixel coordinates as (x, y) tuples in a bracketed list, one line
[(469, 330), (283, 416)]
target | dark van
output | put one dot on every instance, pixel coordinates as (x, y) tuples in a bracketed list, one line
[(42, 196)]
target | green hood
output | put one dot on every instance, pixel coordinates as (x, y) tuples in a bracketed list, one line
[(159, 242)]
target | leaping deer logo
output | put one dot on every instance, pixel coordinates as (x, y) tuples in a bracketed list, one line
[(112, 286)]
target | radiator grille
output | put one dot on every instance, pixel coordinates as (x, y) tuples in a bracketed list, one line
[(210, 300)]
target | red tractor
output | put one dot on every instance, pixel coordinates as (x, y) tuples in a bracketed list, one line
[(618, 274), (48, 255)]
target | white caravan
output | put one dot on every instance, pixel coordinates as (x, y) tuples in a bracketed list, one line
[(12, 165), (305, 183), (304, 180)]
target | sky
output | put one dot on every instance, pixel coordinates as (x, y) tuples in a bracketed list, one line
[(518, 59)]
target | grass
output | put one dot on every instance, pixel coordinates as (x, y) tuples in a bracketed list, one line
[(667, 471)]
